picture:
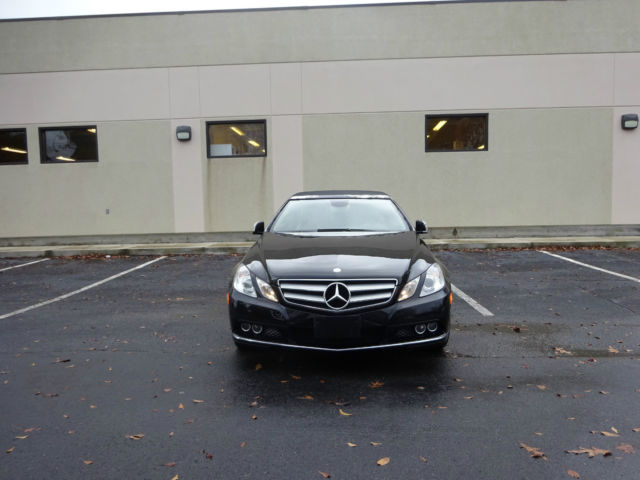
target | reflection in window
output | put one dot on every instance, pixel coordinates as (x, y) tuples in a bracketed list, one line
[(237, 139), (13, 146), (456, 133), (69, 144)]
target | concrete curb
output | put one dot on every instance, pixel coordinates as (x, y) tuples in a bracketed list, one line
[(213, 248)]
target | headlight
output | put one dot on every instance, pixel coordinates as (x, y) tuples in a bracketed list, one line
[(242, 282), (266, 290), (433, 280), (409, 289)]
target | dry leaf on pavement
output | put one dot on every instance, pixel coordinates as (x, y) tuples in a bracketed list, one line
[(533, 451), (592, 452), (573, 474), (626, 448), (383, 461)]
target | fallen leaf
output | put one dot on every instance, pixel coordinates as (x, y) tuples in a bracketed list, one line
[(636, 430), (573, 474), (189, 421), (88, 462), (22, 437), (352, 444), (254, 417), (325, 475), (423, 459), (533, 451), (542, 387), (296, 377), (375, 444), (376, 384), (602, 392), (562, 351), (306, 397), (198, 401), (11, 449), (626, 448), (609, 434), (170, 464), (170, 434), (207, 455), (181, 406), (383, 461), (176, 478), (166, 390), (614, 429), (31, 429), (243, 444), (592, 452), (137, 436), (258, 367), (613, 350), (342, 412)]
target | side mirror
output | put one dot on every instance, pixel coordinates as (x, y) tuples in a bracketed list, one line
[(258, 228), (421, 227)]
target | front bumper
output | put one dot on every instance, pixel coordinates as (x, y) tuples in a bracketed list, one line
[(391, 326)]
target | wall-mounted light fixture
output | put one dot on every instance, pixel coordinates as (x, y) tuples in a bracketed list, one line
[(629, 121), (183, 133)]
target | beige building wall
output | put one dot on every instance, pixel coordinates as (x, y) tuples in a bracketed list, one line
[(344, 92)]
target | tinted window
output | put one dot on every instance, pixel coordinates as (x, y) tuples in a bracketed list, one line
[(13, 146), (69, 144), (447, 133), (335, 215), (237, 139)]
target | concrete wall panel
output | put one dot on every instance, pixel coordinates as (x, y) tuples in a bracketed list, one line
[(234, 90), (543, 167), (87, 96), (458, 83), (132, 180)]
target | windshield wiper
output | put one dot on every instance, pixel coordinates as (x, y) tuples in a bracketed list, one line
[(342, 230)]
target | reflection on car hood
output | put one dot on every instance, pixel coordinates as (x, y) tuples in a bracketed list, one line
[(361, 256)]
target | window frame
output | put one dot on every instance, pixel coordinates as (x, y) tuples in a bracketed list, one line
[(43, 147), (234, 122), (26, 141), (455, 115)]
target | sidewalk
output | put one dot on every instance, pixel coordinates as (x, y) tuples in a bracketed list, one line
[(238, 247)]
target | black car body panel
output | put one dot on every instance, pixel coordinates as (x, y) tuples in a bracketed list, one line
[(364, 271)]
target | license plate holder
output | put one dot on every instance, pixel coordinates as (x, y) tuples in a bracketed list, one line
[(337, 327)]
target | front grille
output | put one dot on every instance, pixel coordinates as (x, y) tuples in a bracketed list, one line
[(363, 293)]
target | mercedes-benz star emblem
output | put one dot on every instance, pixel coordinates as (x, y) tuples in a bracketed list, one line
[(337, 296)]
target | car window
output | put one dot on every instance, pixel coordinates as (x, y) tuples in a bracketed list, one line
[(340, 215)]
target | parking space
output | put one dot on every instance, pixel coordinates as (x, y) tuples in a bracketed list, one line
[(138, 377)]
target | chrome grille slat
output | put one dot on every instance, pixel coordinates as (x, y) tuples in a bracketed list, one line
[(364, 293)]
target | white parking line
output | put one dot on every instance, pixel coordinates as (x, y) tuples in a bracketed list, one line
[(23, 265), (626, 277), (80, 290), (475, 305)]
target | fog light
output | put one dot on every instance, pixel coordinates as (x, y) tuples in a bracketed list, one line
[(420, 328), (432, 327), (257, 329), (245, 327)]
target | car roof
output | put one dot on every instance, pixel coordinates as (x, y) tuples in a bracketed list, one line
[(339, 194)]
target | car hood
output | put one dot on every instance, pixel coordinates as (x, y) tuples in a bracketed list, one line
[(276, 256)]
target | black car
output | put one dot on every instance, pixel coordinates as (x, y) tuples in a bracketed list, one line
[(340, 271)]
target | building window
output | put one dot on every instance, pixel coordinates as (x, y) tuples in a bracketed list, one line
[(13, 146), (237, 139), (449, 133), (69, 144)]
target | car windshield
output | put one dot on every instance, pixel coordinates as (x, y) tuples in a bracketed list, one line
[(340, 215)]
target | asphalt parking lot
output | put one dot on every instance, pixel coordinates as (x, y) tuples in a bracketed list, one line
[(124, 367)]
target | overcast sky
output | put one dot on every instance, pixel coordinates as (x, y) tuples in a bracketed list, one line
[(64, 8)]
